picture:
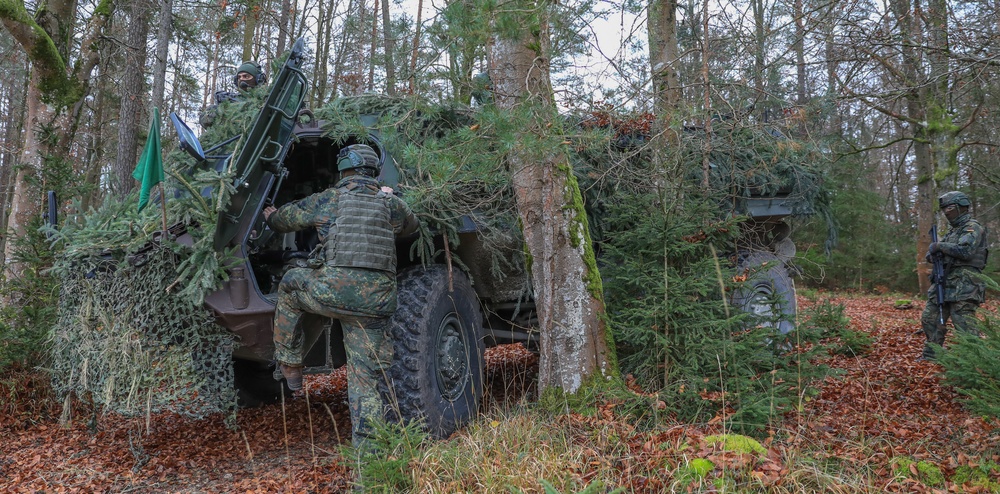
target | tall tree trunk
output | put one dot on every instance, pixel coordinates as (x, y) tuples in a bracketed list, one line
[(760, 41), (249, 28), (915, 105), (707, 95), (798, 46), (323, 33), (834, 123), (24, 202), (575, 346), (164, 32), (100, 125), (390, 48), (211, 69), (373, 54), (131, 119), (338, 64), (416, 48), (284, 26), (664, 57), (939, 111), (12, 143)]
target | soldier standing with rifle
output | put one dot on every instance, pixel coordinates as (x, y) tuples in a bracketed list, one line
[(958, 258)]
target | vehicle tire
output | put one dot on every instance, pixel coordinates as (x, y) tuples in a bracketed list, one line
[(768, 290), (255, 384), (437, 367)]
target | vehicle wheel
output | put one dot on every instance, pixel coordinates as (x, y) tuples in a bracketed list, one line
[(437, 368), (255, 384), (768, 291)]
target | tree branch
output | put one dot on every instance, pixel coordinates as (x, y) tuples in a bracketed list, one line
[(49, 65)]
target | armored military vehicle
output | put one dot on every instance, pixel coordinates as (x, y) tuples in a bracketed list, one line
[(442, 322), (452, 304)]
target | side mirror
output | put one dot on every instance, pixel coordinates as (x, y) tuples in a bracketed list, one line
[(52, 217), (188, 141)]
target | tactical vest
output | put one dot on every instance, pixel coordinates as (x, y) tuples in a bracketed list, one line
[(980, 251), (362, 235)]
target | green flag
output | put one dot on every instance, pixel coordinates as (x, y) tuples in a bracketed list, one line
[(149, 171)]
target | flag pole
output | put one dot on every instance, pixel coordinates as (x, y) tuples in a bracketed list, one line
[(163, 208)]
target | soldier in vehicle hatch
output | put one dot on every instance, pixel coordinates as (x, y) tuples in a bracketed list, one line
[(964, 250), (248, 76), (353, 278)]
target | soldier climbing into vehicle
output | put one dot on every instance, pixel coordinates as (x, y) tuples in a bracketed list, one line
[(352, 278)]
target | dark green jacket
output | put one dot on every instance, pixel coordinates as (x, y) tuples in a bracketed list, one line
[(965, 249)]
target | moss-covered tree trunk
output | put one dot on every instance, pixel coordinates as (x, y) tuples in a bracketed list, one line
[(575, 344), (47, 36)]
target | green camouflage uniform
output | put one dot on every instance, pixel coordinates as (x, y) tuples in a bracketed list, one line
[(965, 250), (349, 284)]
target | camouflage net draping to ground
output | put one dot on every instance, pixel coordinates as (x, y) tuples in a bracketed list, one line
[(134, 337), (126, 343)]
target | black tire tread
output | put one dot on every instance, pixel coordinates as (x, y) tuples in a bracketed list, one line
[(775, 274), (418, 290)]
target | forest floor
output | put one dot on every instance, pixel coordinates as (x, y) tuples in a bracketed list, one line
[(883, 406)]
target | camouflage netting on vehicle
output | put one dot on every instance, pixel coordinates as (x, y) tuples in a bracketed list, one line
[(454, 159), (123, 341)]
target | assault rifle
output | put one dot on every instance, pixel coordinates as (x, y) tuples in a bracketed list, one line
[(937, 275)]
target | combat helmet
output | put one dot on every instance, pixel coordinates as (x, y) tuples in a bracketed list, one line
[(360, 157), (953, 197)]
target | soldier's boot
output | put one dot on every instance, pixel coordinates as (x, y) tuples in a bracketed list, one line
[(292, 375)]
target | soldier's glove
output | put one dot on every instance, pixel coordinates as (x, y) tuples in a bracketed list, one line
[(934, 248)]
